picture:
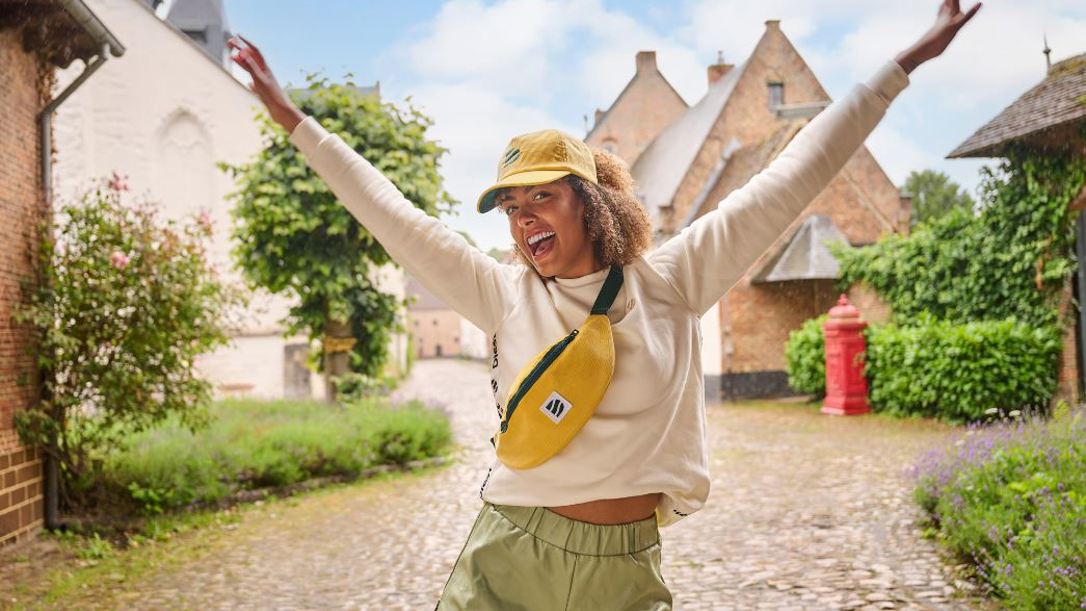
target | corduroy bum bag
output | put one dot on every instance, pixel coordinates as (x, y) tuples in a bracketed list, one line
[(555, 395)]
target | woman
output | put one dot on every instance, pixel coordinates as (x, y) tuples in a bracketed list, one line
[(580, 530)]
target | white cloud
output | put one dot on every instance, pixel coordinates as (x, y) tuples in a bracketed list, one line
[(476, 125), (486, 71)]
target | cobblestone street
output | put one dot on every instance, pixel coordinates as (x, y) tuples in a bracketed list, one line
[(806, 511)]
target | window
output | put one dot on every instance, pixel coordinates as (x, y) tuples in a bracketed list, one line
[(776, 94)]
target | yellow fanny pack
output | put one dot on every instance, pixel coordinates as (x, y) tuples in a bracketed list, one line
[(555, 395)]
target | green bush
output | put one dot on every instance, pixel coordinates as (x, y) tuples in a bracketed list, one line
[(958, 371), (1011, 499), (253, 444), (1012, 259), (125, 303), (806, 356)]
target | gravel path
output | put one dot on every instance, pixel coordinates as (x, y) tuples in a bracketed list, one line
[(806, 512)]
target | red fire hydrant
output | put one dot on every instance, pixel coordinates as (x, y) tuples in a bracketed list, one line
[(846, 388)]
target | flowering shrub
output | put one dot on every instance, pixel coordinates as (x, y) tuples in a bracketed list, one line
[(1011, 498), (124, 304)]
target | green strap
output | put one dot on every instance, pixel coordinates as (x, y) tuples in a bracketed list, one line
[(609, 291)]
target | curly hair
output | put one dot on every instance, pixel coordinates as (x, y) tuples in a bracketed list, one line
[(616, 222)]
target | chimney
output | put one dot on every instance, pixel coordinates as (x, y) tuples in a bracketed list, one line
[(646, 62), (599, 115), (773, 24), (719, 69)]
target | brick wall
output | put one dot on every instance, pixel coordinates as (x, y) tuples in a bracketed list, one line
[(861, 200), (433, 328), (21, 208), (1068, 380), (642, 110)]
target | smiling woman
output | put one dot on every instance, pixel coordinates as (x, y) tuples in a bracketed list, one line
[(576, 525), (603, 222)]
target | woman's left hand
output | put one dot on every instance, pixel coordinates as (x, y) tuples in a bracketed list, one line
[(932, 44)]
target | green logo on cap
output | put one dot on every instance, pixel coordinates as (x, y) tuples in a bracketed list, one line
[(511, 156)]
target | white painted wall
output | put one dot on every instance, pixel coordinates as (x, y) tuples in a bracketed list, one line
[(473, 342), (164, 114)]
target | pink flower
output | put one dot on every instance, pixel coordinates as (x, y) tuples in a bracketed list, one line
[(118, 260), (204, 220), (118, 182)]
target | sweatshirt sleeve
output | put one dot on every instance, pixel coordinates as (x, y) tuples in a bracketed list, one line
[(469, 281), (710, 255)]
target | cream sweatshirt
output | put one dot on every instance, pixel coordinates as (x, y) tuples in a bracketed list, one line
[(649, 433)]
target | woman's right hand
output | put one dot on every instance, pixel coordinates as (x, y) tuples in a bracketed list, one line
[(264, 85)]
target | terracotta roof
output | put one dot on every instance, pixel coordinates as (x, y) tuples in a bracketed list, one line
[(804, 256), (60, 32), (661, 168), (425, 299), (1053, 104)]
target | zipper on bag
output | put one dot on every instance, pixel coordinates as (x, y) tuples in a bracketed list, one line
[(534, 374)]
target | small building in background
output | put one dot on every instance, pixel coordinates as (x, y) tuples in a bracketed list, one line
[(439, 331)]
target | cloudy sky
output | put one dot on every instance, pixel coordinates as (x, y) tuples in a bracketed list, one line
[(486, 71)]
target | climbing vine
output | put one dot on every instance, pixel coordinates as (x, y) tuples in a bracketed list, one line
[(1010, 260)]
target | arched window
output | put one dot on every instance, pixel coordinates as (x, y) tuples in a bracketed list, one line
[(184, 172)]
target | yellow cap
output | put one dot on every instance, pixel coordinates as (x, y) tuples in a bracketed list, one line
[(538, 158)]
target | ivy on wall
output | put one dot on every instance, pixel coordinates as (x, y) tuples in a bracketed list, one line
[(1010, 260)]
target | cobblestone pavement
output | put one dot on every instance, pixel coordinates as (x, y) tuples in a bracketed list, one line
[(806, 512)]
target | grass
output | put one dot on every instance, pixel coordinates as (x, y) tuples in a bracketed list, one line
[(1010, 498), (259, 444)]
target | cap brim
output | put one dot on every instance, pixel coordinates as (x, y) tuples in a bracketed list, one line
[(523, 179)]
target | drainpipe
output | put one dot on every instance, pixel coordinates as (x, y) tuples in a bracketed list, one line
[(109, 45)]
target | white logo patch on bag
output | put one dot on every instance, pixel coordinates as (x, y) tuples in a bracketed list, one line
[(556, 407)]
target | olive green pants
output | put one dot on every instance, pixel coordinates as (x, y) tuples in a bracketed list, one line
[(530, 558)]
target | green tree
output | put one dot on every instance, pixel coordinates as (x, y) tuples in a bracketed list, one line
[(294, 237), (934, 194), (125, 304)]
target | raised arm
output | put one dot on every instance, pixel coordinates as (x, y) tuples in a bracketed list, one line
[(710, 255), (469, 281)]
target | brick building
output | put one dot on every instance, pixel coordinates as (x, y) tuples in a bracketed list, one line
[(438, 330), (36, 38), (1050, 117), (748, 115)]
